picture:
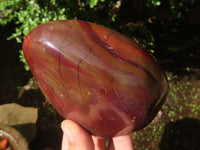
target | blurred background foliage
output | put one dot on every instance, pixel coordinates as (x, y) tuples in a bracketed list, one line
[(168, 29)]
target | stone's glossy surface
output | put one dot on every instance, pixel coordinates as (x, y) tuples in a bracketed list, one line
[(95, 76)]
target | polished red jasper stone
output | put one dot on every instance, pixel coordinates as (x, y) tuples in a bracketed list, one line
[(95, 76)]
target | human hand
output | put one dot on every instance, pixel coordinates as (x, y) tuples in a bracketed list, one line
[(76, 138)]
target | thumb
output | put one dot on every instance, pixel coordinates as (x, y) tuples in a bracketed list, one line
[(75, 137)]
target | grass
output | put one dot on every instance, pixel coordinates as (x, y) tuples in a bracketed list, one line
[(182, 105)]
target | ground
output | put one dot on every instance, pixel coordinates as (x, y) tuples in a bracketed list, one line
[(177, 125)]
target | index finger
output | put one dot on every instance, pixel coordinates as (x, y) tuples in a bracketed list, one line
[(121, 142)]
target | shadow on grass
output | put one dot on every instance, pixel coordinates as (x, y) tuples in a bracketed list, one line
[(181, 135)]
